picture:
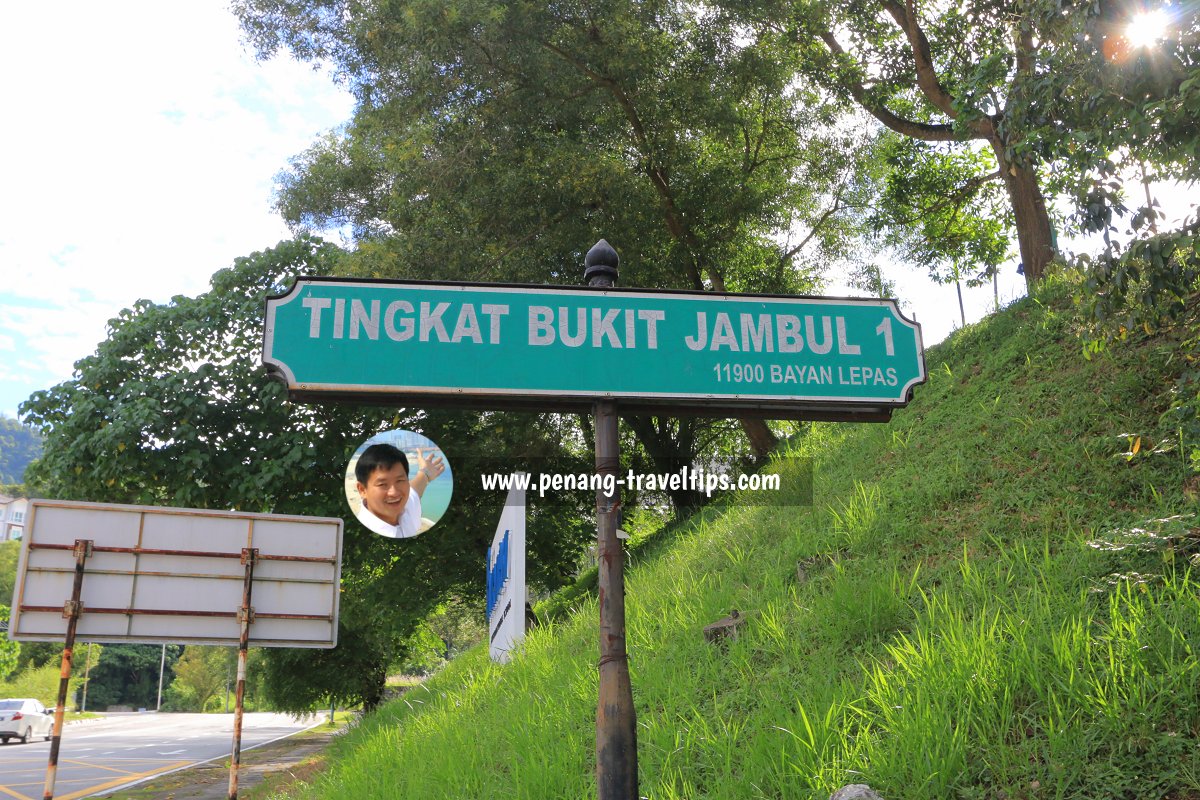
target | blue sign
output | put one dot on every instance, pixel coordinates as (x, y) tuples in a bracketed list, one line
[(497, 574)]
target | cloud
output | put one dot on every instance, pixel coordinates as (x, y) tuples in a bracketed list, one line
[(138, 158)]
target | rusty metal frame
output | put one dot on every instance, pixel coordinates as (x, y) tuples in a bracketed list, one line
[(149, 551), (210, 571)]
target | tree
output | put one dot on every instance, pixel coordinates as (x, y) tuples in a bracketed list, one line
[(1144, 102), (200, 674), (1037, 86), (459, 624), (936, 211), (175, 408), (494, 141), (128, 675)]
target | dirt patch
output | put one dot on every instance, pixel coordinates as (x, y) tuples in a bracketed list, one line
[(264, 770)]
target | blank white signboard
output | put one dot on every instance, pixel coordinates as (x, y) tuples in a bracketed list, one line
[(174, 575)]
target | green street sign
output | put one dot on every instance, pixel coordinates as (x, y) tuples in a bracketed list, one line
[(504, 346)]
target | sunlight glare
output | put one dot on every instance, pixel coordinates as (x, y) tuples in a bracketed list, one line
[(1147, 27)]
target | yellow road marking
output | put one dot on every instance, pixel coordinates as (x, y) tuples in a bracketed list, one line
[(11, 793), (95, 766), (126, 777), (129, 760), (100, 787)]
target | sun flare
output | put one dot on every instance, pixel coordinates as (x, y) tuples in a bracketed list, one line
[(1147, 27)]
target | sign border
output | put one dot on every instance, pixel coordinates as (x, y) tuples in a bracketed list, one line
[(732, 404)]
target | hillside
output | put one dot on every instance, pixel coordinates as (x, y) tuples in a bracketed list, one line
[(993, 600), (18, 446)]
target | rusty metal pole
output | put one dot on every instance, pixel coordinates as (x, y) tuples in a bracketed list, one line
[(245, 617), (72, 609), (616, 719)]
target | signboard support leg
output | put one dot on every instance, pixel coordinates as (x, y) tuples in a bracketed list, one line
[(83, 548), (616, 719), (245, 617)]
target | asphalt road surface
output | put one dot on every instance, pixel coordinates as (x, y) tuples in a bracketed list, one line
[(121, 749)]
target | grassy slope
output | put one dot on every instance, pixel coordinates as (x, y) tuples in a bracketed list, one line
[(960, 631)]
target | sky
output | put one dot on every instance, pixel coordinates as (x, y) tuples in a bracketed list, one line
[(138, 158)]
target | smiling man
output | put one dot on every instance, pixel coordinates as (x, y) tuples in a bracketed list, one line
[(391, 502)]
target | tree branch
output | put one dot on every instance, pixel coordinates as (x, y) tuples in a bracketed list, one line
[(658, 177), (916, 130), (837, 206), (957, 199), (906, 17)]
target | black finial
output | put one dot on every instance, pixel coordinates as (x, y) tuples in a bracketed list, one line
[(600, 265)]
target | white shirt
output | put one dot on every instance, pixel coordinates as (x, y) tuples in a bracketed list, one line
[(408, 525)]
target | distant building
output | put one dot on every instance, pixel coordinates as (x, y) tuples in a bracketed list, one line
[(12, 517)]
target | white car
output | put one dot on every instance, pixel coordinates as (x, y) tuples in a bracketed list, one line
[(23, 719)]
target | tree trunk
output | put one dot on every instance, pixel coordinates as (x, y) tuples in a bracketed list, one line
[(372, 686), (1029, 211), (669, 453), (762, 440)]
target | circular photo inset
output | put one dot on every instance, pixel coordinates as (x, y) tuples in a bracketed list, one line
[(399, 484)]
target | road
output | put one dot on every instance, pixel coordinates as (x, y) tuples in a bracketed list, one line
[(120, 749)]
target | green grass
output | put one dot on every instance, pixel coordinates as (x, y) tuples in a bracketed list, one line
[(996, 602)]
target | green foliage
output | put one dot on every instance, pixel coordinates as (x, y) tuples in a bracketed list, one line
[(9, 650), (1107, 112), (86, 656), (1184, 413), (128, 674), (939, 209), (459, 623), (424, 652), (201, 674), (452, 628), (1151, 282), (497, 141), (39, 654), (174, 409), (1053, 90), (41, 683), (993, 599), (1099, 103), (19, 445), (10, 557)]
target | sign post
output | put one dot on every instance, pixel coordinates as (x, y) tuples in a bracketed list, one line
[(616, 718)]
